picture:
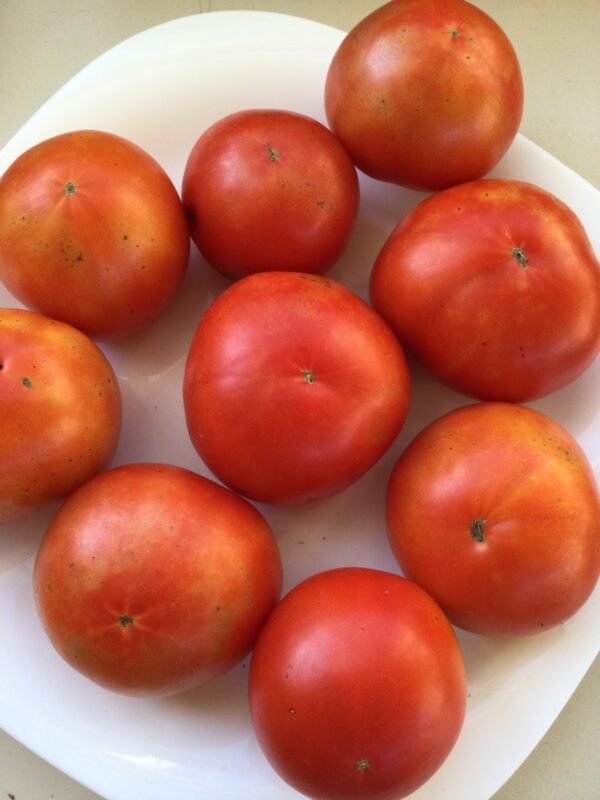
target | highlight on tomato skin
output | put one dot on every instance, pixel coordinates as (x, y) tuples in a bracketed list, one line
[(494, 286), (426, 94), (92, 233), (152, 579), (357, 686), (494, 510)]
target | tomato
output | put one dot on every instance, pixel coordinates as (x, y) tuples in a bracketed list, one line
[(425, 93), (268, 189), (494, 510), (293, 388), (152, 579), (92, 232), (495, 287), (61, 411), (357, 686)]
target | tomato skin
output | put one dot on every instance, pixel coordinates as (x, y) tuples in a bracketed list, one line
[(293, 388), (450, 283), (92, 232), (61, 411), (425, 93), (152, 579), (268, 189), (357, 686), (534, 559)]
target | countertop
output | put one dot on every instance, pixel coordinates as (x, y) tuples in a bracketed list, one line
[(43, 43)]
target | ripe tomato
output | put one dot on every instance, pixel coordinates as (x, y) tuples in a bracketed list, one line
[(425, 93), (293, 387), (92, 232), (61, 410), (494, 510), (357, 686), (152, 579), (495, 287), (267, 189)]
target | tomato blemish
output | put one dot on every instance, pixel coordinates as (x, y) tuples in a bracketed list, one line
[(308, 375), (26, 383), (363, 764)]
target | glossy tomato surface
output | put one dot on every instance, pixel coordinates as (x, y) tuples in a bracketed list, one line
[(494, 510), (357, 686), (293, 388), (152, 579), (425, 93), (60, 410), (269, 189), (92, 232), (495, 287)]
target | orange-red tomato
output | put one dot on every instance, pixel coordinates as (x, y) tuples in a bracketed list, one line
[(269, 189), (425, 93), (357, 686), (60, 409), (494, 510), (92, 232), (152, 579), (294, 387), (495, 287)]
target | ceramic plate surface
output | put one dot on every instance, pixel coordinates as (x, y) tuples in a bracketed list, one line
[(161, 89)]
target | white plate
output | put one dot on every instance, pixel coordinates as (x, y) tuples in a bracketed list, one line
[(161, 89)]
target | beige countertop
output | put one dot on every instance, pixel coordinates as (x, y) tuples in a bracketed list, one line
[(45, 42)]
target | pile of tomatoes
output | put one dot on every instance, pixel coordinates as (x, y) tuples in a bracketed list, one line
[(151, 578)]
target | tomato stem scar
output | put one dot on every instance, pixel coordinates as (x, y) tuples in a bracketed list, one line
[(70, 188), (125, 620), (273, 154), (453, 32), (520, 255), (308, 375), (477, 528), (362, 765)]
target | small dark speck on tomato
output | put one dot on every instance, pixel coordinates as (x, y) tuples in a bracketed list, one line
[(26, 383)]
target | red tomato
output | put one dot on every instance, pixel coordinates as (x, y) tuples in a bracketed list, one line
[(425, 93), (152, 579), (92, 232), (494, 510), (357, 686), (268, 190), (293, 387), (495, 287), (61, 410)]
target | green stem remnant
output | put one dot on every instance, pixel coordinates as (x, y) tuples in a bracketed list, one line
[(477, 528), (520, 255)]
